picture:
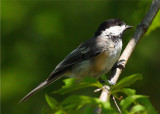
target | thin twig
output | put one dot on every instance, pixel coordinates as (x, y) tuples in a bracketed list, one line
[(116, 105), (141, 29)]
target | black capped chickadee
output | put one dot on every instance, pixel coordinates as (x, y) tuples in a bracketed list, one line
[(94, 57)]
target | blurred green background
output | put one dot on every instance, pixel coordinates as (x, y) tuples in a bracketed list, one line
[(37, 35)]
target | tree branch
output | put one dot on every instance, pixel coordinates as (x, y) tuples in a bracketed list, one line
[(140, 30)]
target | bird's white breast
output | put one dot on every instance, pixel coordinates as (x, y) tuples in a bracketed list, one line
[(113, 55)]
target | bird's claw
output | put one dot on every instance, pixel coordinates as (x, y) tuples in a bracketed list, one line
[(112, 83), (121, 64)]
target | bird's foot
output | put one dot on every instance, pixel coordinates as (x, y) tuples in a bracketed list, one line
[(112, 83), (121, 64)]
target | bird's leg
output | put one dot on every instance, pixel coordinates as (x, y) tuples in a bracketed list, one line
[(118, 64)]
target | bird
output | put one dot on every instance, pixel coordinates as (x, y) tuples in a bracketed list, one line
[(94, 57)]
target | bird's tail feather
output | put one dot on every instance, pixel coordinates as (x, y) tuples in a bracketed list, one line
[(42, 85)]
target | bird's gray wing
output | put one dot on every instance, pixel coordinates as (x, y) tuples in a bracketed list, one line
[(85, 51)]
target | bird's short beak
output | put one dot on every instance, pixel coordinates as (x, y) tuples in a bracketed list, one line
[(128, 26)]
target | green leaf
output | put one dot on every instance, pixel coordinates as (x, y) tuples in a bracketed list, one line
[(59, 112), (46, 110), (52, 102), (69, 82), (72, 85), (138, 108), (125, 82), (104, 77), (107, 109), (128, 91), (155, 24), (145, 102), (125, 103), (89, 110), (77, 102)]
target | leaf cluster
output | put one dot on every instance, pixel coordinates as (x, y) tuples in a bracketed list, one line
[(132, 103)]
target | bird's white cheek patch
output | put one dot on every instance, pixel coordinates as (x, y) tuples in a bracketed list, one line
[(115, 30)]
